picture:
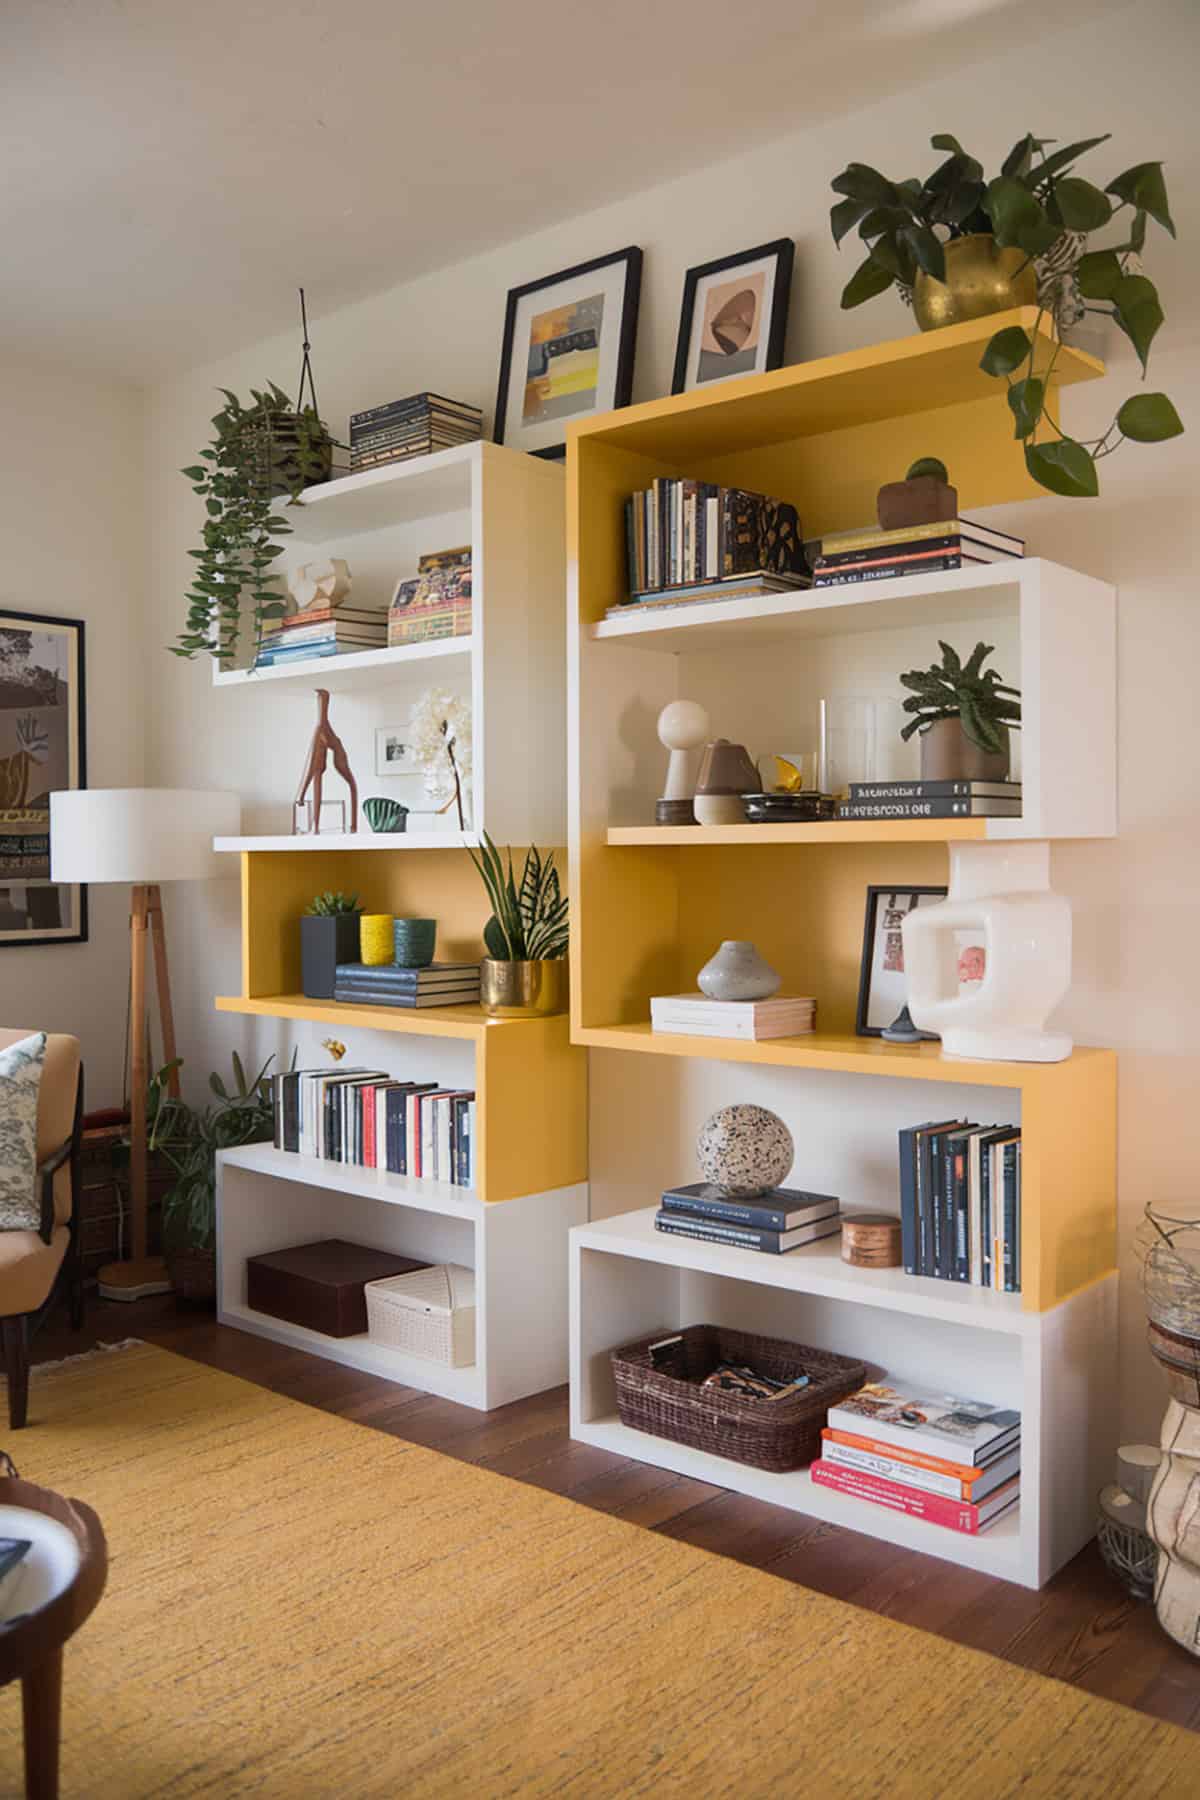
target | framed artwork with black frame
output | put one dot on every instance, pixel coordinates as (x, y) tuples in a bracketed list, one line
[(42, 750), (568, 351), (882, 988), (733, 320)]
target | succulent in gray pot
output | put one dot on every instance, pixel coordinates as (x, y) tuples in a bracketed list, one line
[(525, 970), (963, 713), (328, 936)]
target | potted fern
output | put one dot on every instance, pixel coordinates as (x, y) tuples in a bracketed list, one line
[(525, 970), (963, 713), (328, 936)]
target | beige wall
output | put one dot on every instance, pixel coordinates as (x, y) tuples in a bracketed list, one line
[(72, 543), (1136, 983)]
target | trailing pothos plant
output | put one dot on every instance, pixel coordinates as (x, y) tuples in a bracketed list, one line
[(259, 454), (529, 922), (1035, 204)]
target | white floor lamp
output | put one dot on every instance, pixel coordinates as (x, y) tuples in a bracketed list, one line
[(142, 837)]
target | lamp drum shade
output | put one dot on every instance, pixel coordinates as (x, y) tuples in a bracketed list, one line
[(137, 835)]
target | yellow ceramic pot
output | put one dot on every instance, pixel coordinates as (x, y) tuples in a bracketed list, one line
[(376, 944), (523, 989), (980, 279)]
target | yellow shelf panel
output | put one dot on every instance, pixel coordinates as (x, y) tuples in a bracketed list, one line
[(915, 374), (826, 831), (424, 1021)]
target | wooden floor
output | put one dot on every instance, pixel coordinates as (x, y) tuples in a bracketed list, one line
[(1082, 1628)]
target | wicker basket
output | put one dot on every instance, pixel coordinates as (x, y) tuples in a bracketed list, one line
[(426, 1312), (661, 1394)]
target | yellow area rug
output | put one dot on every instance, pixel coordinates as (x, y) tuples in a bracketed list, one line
[(299, 1606)]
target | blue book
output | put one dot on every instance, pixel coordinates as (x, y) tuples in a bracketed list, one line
[(783, 1209)]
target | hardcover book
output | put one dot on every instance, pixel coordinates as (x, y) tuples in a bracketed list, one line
[(738, 1237), (783, 1209), (972, 1432), (955, 1515)]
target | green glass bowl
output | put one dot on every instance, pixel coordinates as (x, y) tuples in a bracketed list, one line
[(385, 815)]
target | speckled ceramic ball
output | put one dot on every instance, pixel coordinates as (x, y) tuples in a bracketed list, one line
[(744, 1151)]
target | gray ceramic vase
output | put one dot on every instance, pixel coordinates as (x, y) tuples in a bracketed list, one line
[(745, 1151), (738, 972)]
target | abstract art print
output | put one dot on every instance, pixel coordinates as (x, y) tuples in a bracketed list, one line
[(41, 751), (882, 983), (734, 316), (568, 351)]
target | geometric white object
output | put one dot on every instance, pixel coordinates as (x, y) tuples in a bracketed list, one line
[(999, 895), (682, 728), (132, 835), (324, 583)]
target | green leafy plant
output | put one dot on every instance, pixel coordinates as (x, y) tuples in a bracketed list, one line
[(967, 691), (928, 465), (529, 923), (328, 906), (258, 454), (1034, 204), (189, 1138)]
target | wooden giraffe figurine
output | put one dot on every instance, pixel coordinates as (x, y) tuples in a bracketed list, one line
[(326, 743)]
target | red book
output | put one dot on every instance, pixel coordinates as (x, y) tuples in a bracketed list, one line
[(368, 1127), (955, 1515)]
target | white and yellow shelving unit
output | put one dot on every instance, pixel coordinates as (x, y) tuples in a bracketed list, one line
[(651, 903), (530, 1082)]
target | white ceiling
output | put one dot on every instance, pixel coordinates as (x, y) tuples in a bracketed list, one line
[(171, 170)]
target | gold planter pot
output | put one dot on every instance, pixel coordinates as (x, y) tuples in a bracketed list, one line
[(531, 990), (980, 279)]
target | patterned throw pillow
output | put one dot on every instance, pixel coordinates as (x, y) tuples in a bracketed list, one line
[(20, 1079)]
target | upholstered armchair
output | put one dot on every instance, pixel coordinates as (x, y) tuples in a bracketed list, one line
[(33, 1264)]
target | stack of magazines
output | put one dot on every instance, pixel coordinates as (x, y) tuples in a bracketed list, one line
[(384, 984)]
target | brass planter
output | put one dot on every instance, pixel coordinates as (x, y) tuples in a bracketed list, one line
[(531, 990), (980, 279)]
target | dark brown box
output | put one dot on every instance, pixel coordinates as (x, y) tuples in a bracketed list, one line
[(321, 1285)]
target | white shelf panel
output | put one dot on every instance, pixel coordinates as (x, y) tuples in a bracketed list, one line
[(346, 840), (814, 1269), (994, 1552), (357, 669), (420, 488), (463, 1385), (980, 592), (344, 1178)]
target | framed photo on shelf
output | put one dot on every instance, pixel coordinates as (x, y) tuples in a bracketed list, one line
[(882, 987), (42, 750), (567, 351), (394, 751), (734, 316)]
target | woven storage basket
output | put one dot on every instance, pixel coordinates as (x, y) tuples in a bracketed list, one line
[(426, 1312), (662, 1394)]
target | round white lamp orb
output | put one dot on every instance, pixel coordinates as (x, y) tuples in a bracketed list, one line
[(744, 1151), (682, 728)]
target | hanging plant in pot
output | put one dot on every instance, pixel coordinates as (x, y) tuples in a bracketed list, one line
[(963, 713), (960, 246), (525, 970)]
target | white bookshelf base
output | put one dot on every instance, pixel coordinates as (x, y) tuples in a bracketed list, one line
[(1058, 1368), (269, 1199)]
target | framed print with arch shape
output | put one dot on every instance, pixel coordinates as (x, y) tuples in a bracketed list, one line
[(42, 750), (568, 351), (734, 316)]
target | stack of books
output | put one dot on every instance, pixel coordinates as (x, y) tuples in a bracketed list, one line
[(384, 984), (364, 1118), (956, 1463), (872, 555), (412, 427), (321, 631), (784, 1219), (681, 535), (960, 1203), (695, 1015), (932, 800)]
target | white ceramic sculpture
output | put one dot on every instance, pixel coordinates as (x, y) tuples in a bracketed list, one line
[(682, 728), (1173, 1521), (744, 1151), (319, 584), (1000, 896)]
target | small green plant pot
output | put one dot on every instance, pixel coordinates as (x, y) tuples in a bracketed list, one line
[(385, 815), (414, 940)]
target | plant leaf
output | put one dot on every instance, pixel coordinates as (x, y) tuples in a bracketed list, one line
[(1098, 273), (1149, 419), (946, 140), (1059, 160), (845, 216), (926, 249), (1138, 313), (1064, 467), (1015, 213), (1016, 163), (1083, 207), (1005, 352), (859, 181), (1026, 399), (869, 279), (1143, 186)]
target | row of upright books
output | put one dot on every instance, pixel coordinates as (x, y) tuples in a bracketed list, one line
[(386, 984), (320, 632), (953, 1462), (365, 1119), (931, 800), (960, 1203), (415, 426), (782, 1220), (682, 534), (873, 555)]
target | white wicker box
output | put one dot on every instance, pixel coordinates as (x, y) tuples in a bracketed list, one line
[(427, 1312)]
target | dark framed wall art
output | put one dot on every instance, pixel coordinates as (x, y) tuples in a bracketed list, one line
[(42, 749), (882, 985), (568, 351), (734, 316)]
